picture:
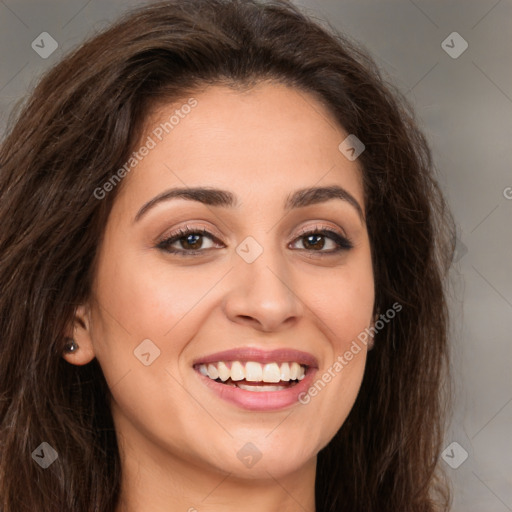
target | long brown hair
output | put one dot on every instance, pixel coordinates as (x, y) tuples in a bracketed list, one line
[(80, 125)]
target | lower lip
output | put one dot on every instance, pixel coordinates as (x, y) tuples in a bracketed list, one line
[(261, 400)]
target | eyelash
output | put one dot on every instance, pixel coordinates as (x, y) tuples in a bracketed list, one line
[(343, 243)]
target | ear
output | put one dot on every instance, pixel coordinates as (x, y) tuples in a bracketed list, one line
[(79, 331), (371, 341)]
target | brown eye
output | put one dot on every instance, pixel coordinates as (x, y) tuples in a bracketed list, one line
[(190, 242), (316, 241)]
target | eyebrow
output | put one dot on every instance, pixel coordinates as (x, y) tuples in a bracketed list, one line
[(217, 197)]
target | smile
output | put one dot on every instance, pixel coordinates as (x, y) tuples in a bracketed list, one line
[(254, 376), (255, 379)]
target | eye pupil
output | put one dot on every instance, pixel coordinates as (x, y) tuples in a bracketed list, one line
[(309, 238), (195, 243)]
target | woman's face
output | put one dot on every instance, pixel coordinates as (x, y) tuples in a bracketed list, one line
[(244, 293)]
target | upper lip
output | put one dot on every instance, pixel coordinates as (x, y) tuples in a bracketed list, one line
[(258, 355)]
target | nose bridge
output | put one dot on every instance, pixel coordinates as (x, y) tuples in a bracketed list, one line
[(262, 284)]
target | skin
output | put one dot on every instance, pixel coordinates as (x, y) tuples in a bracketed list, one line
[(178, 440)]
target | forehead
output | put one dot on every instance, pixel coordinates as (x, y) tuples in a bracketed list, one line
[(260, 142)]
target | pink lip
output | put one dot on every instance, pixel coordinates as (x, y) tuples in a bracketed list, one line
[(260, 400), (260, 356)]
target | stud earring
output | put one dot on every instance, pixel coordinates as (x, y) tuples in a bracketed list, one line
[(71, 346)]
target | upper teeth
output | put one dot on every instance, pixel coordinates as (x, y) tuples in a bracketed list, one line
[(252, 371)]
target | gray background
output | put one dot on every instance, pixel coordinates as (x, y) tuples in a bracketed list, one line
[(464, 105)]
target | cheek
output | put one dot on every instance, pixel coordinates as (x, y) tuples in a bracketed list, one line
[(138, 302), (343, 304), (141, 301), (343, 300), (146, 298)]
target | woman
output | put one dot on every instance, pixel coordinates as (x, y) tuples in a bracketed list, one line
[(223, 251)]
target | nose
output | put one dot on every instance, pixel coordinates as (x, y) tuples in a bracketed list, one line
[(262, 294)]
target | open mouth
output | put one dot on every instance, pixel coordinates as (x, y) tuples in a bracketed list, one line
[(254, 376)]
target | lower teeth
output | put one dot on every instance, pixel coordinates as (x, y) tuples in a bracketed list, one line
[(260, 388), (264, 387)]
